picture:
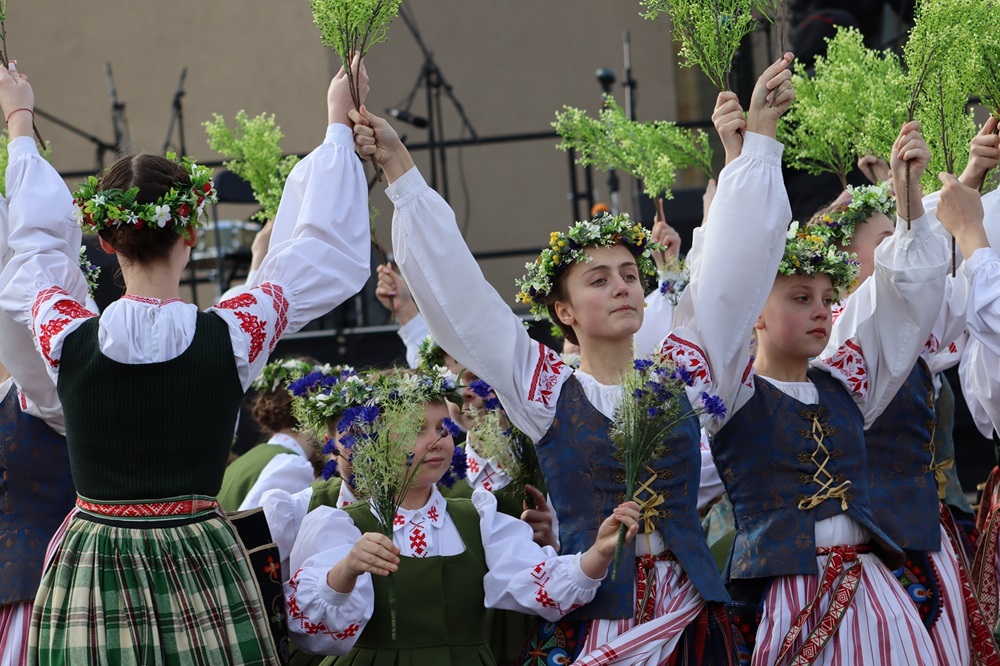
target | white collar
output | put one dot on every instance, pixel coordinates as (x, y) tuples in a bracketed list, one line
[(346, 496), (287, 441), (433, 512)]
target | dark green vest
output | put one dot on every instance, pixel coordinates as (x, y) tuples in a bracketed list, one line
[(325, 492), (440, 611), (243, 473), (152, 430)]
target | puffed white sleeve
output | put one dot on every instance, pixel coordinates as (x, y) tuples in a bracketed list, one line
[(982, 270), (887, 321), (287, 472), (744, 240), (318, 255), (979, 373), (41, 287), (412, 333), (466, 316), (524, 576), (285, 512), (657, 320), (321, 620)]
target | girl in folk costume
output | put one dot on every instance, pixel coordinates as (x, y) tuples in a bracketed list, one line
[(449, 559), (904, 466), (148, 570), (791, 452), (597, 299), (285, 460)]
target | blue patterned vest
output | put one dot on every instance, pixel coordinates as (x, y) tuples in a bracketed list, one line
[(901, 486), (36, 493), (787, 465), (586, 483)]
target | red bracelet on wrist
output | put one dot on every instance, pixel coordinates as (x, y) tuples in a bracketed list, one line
[(23, 108)]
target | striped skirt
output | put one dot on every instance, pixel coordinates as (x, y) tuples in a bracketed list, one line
[(14, 621), (149, 590)]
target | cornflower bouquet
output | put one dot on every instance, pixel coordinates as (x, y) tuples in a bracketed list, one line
[(652, 405), (91, 272), (381, 435)]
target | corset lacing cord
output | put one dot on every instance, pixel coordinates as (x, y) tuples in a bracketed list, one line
[(823, 478), (938, 467), (847, 581), (647, 507)]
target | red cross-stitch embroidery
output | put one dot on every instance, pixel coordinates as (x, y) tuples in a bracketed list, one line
[(433, 513), (932, 345), (73, 309), (24, 401), (418, 542), (295, 613), (280, 307), (351, 630), (547, 372), (398, 520), (44, 295), (848, 365), (473, 465), (687, 355)]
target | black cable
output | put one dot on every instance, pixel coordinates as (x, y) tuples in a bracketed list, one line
[(467, 213)]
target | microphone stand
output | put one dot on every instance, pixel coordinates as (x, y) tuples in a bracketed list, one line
[(177, 116), (101, 145), (435, 83), (606, 78), (118, 119), (630, 85)]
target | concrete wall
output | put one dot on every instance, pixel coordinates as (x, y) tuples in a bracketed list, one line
[(511, 63)]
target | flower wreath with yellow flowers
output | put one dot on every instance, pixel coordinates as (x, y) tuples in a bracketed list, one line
[(812, 250), (566, 249), (181, 206), (865, 202)]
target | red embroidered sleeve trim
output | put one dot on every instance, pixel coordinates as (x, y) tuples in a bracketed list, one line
[(835, 312), (42, 297), (748, 374), (689, 356), (541, 576), (547, 371), (256, 328), (849, 365), (73, 309), (24, 401), (932, 345), (243, 300), (312, 628), (277, 295), (47, 331)]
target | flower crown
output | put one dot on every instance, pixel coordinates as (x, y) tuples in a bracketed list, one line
[(566, 249), (181, 206), (323, 394), (429, 354), (282, 371), (813, 250), (91, 272), (673, 280), (865, 202)]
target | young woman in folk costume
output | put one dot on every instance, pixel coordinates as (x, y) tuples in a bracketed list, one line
[(148, 570), (284, 461), (450, 559), (905, 467), (598, 302), (791, 450)]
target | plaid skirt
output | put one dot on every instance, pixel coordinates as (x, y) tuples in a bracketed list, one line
[(149, 590)]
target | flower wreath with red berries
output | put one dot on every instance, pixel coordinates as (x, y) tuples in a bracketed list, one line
[(182, 206)]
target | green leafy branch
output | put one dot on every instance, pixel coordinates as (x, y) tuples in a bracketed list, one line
[(6, 63), (651, 152), (711, 31), (253, 149)]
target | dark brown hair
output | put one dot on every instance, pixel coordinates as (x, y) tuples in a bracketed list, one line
[(272, 410), (558, 293), (154, 176)]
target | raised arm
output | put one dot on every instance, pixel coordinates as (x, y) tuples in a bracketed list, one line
[(41, 286), (743, 244), (887, 321), (464, 313), (319, 252)]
